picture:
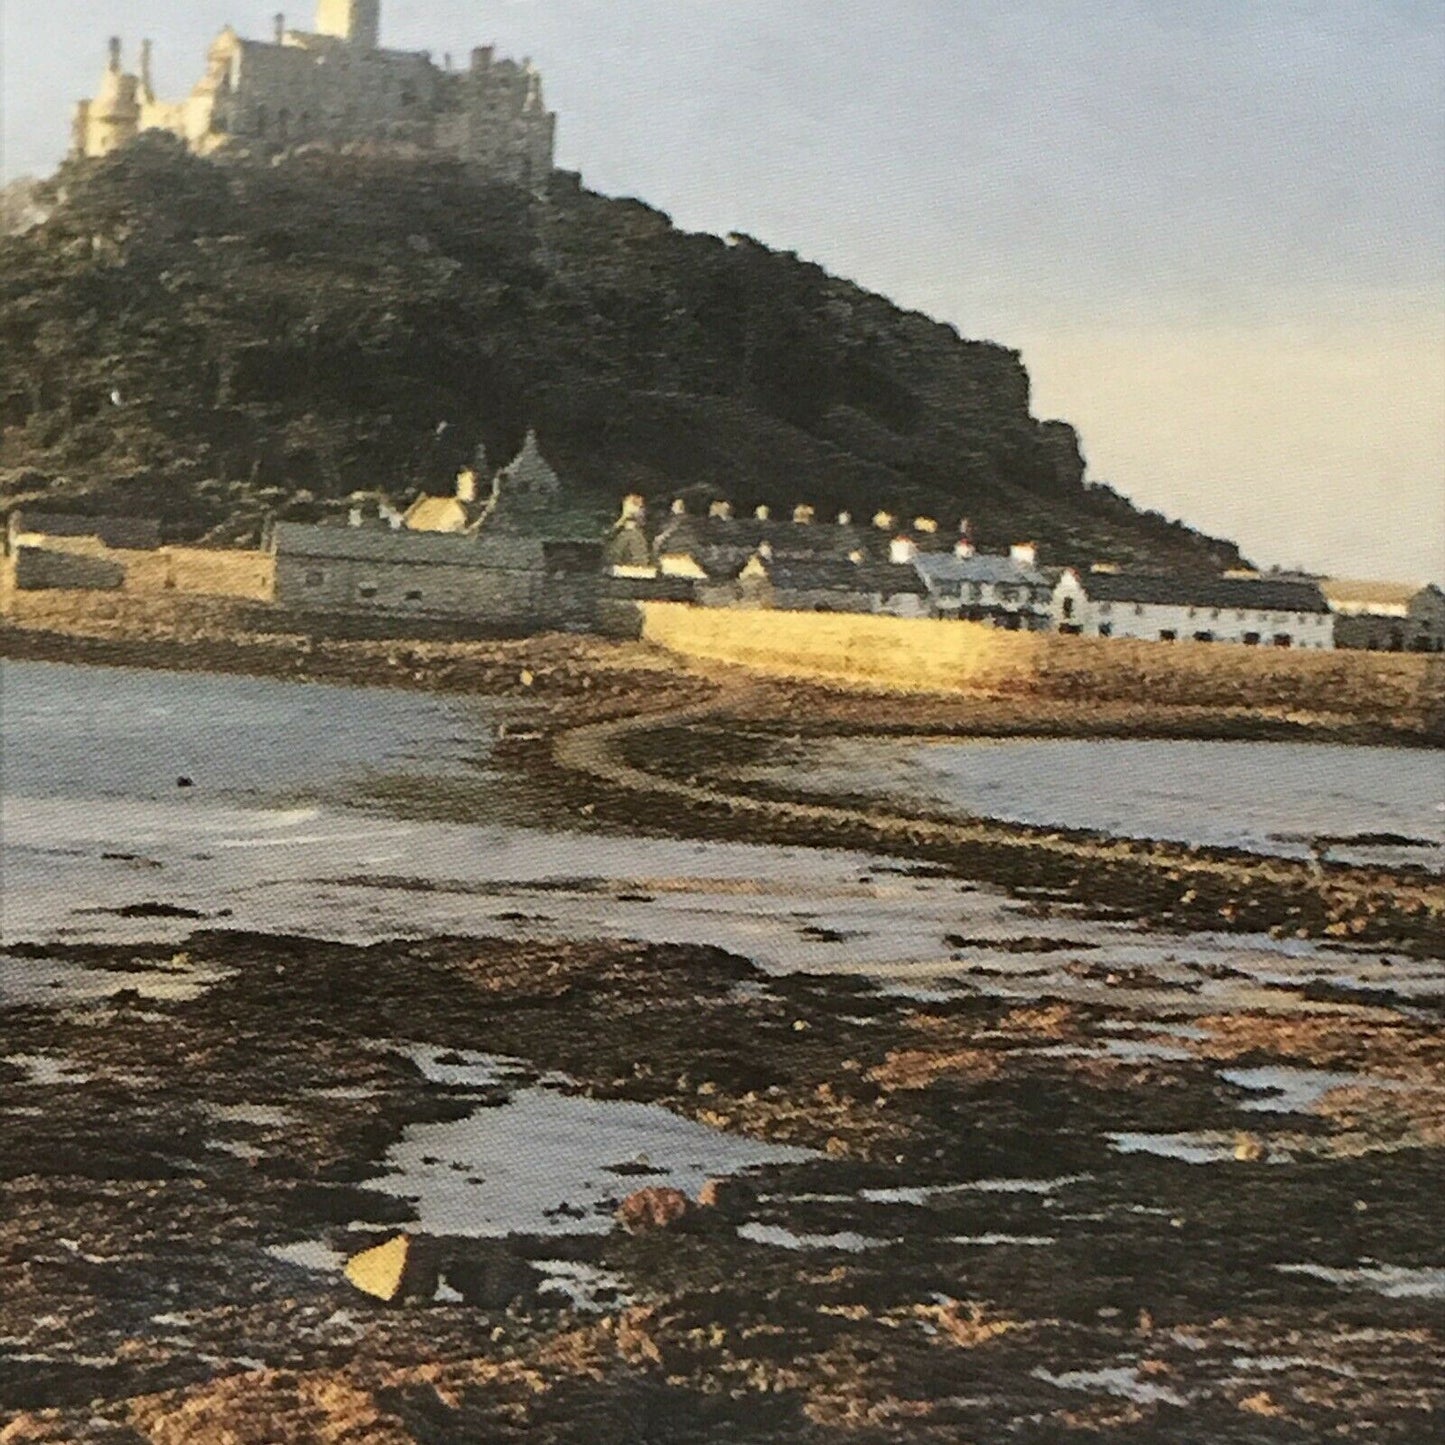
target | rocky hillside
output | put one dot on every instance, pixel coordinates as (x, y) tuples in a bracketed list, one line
[(215, 343)]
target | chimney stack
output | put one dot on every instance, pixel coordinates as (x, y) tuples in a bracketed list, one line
[(466, 486), (146, 50), (280, 28), (763, 513), (845, 519), (802, 515), (885, 521), (903, 549), (115, 54), (1026, 554), (721, 511)]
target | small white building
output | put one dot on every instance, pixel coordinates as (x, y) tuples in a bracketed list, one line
[(1251, 611)]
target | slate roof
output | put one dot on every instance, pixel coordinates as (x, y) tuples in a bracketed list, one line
[(985, 567), (373, 544), (1261, 594), (687, 535), (888, 579), (141, 534)]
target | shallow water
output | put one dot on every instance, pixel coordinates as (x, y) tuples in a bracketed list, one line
[(546, 1162), (272, 838), (1258, 796)]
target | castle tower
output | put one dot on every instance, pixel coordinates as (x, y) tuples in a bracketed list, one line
[(358, 21), (113, 117)]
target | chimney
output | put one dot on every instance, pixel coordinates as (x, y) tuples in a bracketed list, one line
[(964, 547), (482, 57), (115, 54), (802, 515), (679, 507), (903, 549), (634, 508), (763, 513), (965, 527), (280, 28), (721, 511), (1026, 554), (845, 519), (466, 486), (146, 49), (765, 551), (925, 524), (884, 521)]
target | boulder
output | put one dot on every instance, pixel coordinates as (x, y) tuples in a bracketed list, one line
[(489, 1276), (654, 1208)]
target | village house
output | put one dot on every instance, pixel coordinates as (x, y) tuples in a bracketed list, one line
[(1386, 616), (1007, 592), (1252, 611), (803, 585)]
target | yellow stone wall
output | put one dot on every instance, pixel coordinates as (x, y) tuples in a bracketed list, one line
[(927, 656)]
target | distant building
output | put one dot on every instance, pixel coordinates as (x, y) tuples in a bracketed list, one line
[(1386, 616), (333, 85), (500, 580), (1003, 591), (1252, 611), (796, 585), (28, 527)]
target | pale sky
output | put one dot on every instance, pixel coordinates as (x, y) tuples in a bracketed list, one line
[(1214, 228)]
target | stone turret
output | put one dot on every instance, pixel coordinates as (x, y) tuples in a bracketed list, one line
[(113, 117), (356, 21)]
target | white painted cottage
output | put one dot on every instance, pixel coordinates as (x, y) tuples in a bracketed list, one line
[(1252, 611)]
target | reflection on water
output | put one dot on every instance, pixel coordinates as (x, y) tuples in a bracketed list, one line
[(1263, 797)]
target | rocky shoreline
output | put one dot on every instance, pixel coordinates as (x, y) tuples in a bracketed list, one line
[(1042, 1198), (996, 1228)]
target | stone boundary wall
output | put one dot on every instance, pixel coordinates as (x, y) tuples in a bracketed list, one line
[(80, 563), (921, 655)]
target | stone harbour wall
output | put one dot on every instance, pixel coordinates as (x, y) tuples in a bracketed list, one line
[(927, 656)]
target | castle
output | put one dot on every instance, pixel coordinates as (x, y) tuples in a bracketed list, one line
[(334, 85)]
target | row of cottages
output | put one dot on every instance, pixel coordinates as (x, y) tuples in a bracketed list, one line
[(803, 564), (1252, 611), (1387, 616)]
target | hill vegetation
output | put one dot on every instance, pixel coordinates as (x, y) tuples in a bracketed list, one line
[(217, 343)]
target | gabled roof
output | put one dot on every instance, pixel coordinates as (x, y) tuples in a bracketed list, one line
[(372, 544), (1265, 594), (686, 534), (942, 567), (888, 579)]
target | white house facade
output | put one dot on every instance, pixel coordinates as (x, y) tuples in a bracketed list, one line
[(1247, 611)]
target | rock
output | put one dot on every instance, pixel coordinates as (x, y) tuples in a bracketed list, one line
[(1249, 1148), (401, 1268), (654, 1208), (184, 782), (488, 1276)]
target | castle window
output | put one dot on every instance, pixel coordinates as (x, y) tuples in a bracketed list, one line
[(413, 594)]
